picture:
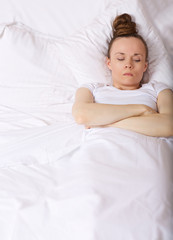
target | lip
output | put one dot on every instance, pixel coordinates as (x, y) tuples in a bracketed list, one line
[(128, 74)]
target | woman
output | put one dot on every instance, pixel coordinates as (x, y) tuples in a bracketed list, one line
[(129, 104)]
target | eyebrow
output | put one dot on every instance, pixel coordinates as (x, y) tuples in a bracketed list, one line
[(136, 54), (119, 53)]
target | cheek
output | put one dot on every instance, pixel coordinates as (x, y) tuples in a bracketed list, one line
[(117, 66), (116, 69), (141, 69)]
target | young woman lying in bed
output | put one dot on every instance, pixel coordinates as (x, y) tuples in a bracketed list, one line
[(143, 108)]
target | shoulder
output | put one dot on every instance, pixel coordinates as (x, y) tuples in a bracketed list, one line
[(165, 101), (157, 87), (92, 86)]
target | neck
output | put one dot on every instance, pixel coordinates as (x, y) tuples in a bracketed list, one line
[(127, 87)]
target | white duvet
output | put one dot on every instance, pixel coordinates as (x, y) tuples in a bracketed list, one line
[(58, 180)]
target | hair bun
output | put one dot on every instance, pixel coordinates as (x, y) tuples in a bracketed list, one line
[(123, 25)]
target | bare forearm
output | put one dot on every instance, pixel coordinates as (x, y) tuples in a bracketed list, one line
[(155, 125), (101, 114)]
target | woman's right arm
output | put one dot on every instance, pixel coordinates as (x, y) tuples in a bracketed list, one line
[(85, 111)]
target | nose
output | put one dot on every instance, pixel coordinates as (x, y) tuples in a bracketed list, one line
[(129, 64)]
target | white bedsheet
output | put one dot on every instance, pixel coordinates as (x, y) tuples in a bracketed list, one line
[(110, 187), (58, 180)]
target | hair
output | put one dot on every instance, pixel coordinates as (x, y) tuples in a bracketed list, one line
[(123, 26)]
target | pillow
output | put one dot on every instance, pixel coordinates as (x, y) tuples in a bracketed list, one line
[(54, 17), (85, 52), (35, 85), (163, 20)]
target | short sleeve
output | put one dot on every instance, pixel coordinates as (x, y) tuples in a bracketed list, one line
[(160, 87), (91, 86)]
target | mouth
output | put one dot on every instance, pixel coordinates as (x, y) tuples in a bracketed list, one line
[(128, 74)]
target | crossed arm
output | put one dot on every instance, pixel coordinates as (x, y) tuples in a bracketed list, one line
[(136, 117)]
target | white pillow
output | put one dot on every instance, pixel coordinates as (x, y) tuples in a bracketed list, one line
[(36, 88), (85, 52), (54, 17)]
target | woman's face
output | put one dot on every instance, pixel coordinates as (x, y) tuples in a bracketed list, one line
[(127, 62)]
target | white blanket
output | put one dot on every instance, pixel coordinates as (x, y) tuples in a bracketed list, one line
[(58, 180)]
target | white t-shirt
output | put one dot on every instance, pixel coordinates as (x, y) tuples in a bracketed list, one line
[(108, 94)]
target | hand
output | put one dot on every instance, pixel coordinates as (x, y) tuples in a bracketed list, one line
[(148, 110), (96, 126)]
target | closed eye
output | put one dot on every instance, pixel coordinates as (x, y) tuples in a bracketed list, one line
[(137, 60), (120, 59)]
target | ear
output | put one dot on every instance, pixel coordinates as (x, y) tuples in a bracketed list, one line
[(145, 66), (108, 62)]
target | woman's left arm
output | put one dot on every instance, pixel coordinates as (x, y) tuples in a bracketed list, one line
[(157, 124)]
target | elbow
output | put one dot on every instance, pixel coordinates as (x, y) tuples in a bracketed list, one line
[(170, 127), (80, 119), (79, 115)]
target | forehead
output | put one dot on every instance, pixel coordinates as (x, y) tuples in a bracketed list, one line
[(129, 45)]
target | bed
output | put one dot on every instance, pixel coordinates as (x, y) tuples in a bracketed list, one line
[(57, 180)]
